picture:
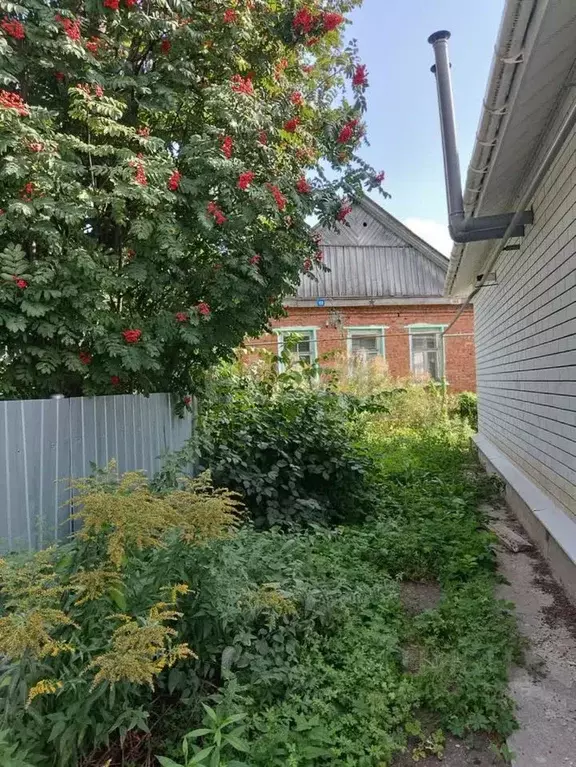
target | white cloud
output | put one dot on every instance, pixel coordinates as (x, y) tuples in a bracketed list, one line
[(432, 232)]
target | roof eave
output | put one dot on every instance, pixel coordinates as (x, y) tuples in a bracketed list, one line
[(510, 53)]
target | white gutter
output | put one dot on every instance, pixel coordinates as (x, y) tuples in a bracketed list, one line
[(343, 301), (510, 54), (552, 152)]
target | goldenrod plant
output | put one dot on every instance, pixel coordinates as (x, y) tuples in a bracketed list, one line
[(140, 518), (141, 648), (87, 627)]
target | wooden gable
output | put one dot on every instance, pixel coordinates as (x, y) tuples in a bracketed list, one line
[(362, 228), (374, 256)]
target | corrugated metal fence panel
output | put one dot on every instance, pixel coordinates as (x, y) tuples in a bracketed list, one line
[(45, 443)]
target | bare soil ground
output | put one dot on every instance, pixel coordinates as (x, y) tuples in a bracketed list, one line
[(476, 751), (417, 596)]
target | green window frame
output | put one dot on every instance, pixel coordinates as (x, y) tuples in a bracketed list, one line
[(306, 350), (375, 333), (427, 350)]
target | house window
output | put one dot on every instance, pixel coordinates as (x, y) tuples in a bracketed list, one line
[(365, 344), (304, 350), (427, 351)]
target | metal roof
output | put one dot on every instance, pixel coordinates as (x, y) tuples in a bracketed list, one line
[(537, 40), (375, 257)]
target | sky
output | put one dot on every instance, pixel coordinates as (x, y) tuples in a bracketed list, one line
[(402, 118)]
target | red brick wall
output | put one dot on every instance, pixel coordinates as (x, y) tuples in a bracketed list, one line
[(459, 350)]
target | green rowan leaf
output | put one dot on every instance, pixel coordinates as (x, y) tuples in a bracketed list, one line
[(45, 367), (15, 324), (21, 208), (46, 329), (142, 229), (34, 310)]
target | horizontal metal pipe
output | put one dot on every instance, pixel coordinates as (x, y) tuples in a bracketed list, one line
[(488, 227), (561, 137)]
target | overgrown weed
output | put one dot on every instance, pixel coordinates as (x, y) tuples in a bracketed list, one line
[(171, 626)]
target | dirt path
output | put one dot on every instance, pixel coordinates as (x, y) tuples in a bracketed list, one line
[(545, 689)]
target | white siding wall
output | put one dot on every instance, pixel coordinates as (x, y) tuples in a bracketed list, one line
[(526, 342)]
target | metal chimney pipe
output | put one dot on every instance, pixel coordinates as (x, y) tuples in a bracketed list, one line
[(463, 229), (439, 41)]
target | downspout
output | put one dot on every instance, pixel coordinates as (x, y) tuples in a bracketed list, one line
[(461, 228), (555, 147)]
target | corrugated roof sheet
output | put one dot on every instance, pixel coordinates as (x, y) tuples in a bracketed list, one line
[(375, 256), (374, 272)]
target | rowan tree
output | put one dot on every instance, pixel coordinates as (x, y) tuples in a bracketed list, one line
[(160, 161)]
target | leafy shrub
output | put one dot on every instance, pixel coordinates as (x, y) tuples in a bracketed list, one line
[(11, 755), (288, 446), (410, 403), (310, 631), (87, 628), (467, 408), (362, 380), (468, 642), (167, 625), (294, 616), (430, 526)]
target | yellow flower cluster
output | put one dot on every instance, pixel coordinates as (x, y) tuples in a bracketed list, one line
[(118, 514), (32, 594), (32, 583), (30, 632), (268, 597), (43, 687), (93, 584), (129, 514), (206, 513), (142, 648)]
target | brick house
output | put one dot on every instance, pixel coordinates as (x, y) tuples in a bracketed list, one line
[(382, 297)]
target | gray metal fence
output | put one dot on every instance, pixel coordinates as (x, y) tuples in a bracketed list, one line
[(44, 443)]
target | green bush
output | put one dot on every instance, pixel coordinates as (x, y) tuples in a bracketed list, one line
[(308, 632), (304, 636), (468, 649), (467, 408), (289, 446)]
